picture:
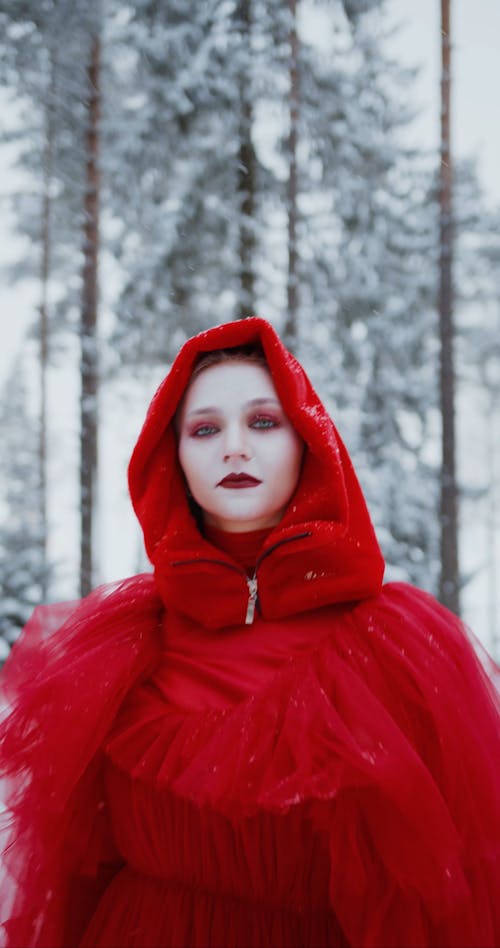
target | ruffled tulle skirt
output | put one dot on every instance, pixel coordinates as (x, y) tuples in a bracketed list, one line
[(338, 805), (352, 799), (195, 878)]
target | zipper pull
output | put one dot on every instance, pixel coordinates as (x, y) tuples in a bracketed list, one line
[(252, 599)]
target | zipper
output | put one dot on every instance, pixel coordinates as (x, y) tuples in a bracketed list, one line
[(252, 598), (251, 581)]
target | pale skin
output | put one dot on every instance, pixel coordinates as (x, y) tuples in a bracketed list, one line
[(240, 454)]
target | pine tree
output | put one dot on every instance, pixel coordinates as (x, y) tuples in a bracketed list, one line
[(190, 227), (245, 166), (40, 70), (367, 302), (171, 223), (477, 355), (23, 562), (89, 367), (449, 584), (290, 330), (61, 82)]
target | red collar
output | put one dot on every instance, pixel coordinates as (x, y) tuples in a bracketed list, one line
[(243, 548), (296, 570)]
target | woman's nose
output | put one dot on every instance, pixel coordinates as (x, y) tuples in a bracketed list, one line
[(236, 443)]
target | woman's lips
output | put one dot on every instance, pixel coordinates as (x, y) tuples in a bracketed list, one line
[(238, 481)]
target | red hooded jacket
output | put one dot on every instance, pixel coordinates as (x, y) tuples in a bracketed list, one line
[(323, 551), (364, 705)]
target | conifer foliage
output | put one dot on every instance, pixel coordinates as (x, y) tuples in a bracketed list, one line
[(23, 566), (202, 160)]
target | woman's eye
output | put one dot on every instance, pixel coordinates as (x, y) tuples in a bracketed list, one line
[(263, 422), (203, 431)]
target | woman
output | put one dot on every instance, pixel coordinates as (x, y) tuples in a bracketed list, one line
[(258, 745)]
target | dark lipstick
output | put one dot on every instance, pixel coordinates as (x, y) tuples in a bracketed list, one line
[(238, 481)]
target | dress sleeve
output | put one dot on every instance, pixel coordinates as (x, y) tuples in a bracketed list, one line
[(61, 689), (422, 836)]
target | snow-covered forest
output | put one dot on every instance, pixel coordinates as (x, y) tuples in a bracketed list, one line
[(180, 164)]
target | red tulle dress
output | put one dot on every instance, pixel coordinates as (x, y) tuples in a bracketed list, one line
[(193, 875), (201, 758)]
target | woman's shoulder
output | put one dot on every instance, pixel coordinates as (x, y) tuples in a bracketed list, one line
[(430, 671), (404, 596), (65, 680), (70, 670), (405, 620), (414, 615), (62, 633)]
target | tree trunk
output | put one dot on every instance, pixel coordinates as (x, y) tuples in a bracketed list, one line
[(449, 580), (290, 330), (43, 328), (88, 333), (246, 170), (492, 523)]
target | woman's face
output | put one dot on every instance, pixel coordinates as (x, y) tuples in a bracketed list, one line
[(240, 455)]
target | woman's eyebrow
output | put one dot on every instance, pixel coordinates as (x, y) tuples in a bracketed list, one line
[(210, 409), (264, 401), (203, 411)]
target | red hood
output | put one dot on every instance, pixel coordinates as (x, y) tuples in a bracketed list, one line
[(323, 551)]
